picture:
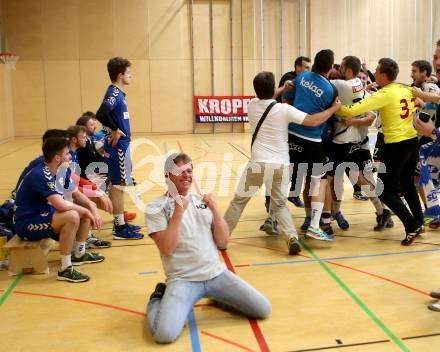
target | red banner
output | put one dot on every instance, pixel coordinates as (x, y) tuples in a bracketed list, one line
[(221, 109)]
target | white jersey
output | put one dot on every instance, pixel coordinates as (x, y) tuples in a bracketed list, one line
[(350, 91), (430, 108)]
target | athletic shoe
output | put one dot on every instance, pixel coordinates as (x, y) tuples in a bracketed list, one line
[(435, 224), (293, 246), (390, 223), (159, 291), (328, 229), (342, 222), (96, 242), (435, 294), (87, 258), (318, 234), (360, 195), (383, 220), (296, 201), (70, 274), (126, 233), (270, 227), (306, 224), (434, 306), (411, 236), (428, 219), (129, 216), (133, 228)]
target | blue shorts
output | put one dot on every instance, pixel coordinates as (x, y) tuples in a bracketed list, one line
[(37, 228), (119, 165)]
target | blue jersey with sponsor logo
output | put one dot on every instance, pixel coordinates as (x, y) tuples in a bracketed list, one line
[(63, 182), (31, 199), (32, 164), (114, 99), (313, 93)]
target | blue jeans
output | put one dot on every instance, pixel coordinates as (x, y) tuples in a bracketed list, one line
[(167, 315)]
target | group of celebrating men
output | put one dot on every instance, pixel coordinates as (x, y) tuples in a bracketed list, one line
[(313, 127)]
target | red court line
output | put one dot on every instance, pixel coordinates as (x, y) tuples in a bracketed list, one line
[(81, 301), (227, 341), (253, 323), (343, 266), (105, 305)]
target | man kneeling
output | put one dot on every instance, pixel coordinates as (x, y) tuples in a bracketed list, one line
[(42, 212), (187, 229)]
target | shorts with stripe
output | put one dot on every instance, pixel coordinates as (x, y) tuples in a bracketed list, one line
[(119, 165), (37, 228)]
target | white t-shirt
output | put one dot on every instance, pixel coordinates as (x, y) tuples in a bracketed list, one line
[(350, 91), (271, 144), (195, 257)]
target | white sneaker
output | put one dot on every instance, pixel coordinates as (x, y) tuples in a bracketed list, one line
[(435, 306)]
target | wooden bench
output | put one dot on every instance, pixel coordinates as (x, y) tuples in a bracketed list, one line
[(28, 256)]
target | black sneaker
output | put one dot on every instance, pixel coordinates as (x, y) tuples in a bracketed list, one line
[(159, 291), (87, 258), (96, 242), (411, 236), (70, 274), (293, 246), (382, 220)]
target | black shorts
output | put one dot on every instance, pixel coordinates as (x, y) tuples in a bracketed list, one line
[(350, 155), (379, 147), (308, 157)]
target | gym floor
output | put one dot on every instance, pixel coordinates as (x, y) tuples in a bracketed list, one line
[(363, 292)]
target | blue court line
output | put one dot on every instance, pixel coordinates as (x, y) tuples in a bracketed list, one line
[(147, 272), (346, 257), (193, 331)]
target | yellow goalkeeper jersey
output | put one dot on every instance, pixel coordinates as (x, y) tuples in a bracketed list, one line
[(396, 105)]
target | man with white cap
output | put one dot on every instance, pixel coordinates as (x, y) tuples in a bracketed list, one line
[(187, 228)]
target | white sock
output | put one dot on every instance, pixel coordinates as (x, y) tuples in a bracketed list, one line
[(377, 204), (66, 261), (119, 219), (80, 249), (316, 214), (336, 205)]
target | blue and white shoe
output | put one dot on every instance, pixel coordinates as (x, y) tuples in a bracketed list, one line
[(134, 228), (126, 233), (306, 224), (318, 234), (341, 220), (296, 201)]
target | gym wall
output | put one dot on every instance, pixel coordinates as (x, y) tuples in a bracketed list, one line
[(64, 47)]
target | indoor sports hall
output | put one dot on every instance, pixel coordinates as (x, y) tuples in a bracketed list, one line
[(192, 67)]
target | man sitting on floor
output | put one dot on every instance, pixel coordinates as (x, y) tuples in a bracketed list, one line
[(187, 229)]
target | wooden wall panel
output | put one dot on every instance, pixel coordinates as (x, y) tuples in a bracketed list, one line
[(138, 97), (23, 28), (6, 112), (94, 82), (63, 93), (96, 28), (60, 30), (168, 28), (171, 99), (29, 100), (130, 34)]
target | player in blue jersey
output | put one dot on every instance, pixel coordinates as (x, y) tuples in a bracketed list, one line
[(42, 212), (114, 116), (313, 93), (52, 133)]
